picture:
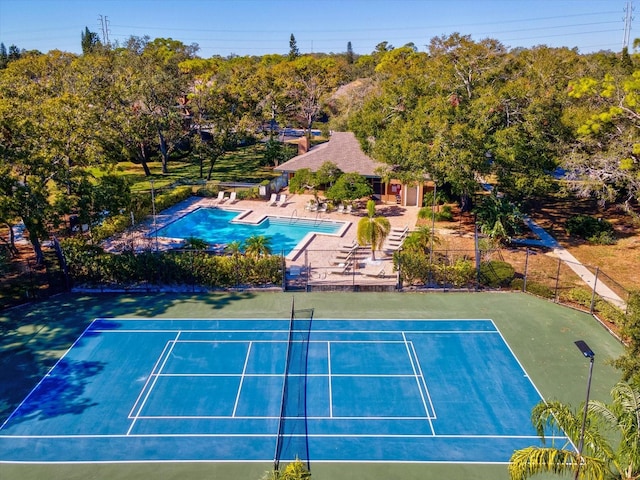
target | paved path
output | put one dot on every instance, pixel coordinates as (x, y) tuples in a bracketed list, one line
[(546, 240)]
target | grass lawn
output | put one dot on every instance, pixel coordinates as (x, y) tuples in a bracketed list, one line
[(242, 165)]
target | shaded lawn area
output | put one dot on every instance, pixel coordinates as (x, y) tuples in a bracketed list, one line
[(540, 333), (244, 165)]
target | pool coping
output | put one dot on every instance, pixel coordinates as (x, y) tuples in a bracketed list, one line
[(241, 218)]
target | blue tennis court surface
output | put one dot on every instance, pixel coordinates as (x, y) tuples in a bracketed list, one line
[(211, 390)]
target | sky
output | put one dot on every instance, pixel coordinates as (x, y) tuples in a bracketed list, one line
[(261, 27)]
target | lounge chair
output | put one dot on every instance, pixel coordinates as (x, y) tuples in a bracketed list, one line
[(398, 234), (220, 197), (341, 269), (341, 208), (390, 247), (272, 200), (345, 254), (342, 257), (233, 197), (376, 273), (282, 200), (348, 209)]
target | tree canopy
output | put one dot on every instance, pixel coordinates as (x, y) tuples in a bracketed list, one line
[(462, 113)]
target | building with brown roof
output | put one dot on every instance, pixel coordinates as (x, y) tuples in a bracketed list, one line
[(343, 149)]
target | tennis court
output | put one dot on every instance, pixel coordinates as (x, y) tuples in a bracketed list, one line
[(237, 390)]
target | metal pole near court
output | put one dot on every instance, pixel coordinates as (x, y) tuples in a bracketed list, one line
[(588, 353), (526, 267), (555, 295), (153, 206)]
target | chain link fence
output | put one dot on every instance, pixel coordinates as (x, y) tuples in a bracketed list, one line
[(139, 267)]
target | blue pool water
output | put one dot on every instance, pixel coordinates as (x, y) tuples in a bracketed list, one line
[(215, 226)]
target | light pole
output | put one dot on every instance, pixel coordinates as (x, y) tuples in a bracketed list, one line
[(588, 353), (153, 205)]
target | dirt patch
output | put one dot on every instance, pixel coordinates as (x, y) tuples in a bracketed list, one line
[(619, 262)]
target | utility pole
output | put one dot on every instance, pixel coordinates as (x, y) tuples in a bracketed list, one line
[(104, 26), (628, 18)]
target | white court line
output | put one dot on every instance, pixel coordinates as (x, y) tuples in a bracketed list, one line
[(415, 374), (256, 417), (329, 377), (47, 374), (146, 383), (316, 332), (270, 375), (155, 379), (244, 370), (315, 435), (434, 415)]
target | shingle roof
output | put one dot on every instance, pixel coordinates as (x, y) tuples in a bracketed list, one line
[(343, 149)]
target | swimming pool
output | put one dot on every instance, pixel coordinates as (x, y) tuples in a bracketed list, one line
[(222, 226)]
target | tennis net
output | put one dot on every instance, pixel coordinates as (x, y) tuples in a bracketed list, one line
[(292, 440)]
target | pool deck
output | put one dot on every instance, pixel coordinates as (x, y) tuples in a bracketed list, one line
[(319, 253)]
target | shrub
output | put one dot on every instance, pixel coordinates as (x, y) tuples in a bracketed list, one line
[(444, 215), (540, 290), (580, 296), (172, 197), (517, 284), (584, 226), (462, 273), (496, 273), (603, 238), (609, 312), (414, 266), (90, 264)]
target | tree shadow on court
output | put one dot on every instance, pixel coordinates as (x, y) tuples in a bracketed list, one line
[(60, 393), (34, 336)]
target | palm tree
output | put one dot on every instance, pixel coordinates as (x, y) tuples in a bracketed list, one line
[(600, 459), (194, 243), (373, 230), (498, 218), (420, 241), (257, 245), (233, 248)]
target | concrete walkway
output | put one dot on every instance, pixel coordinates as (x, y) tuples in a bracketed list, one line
[(546, 240)]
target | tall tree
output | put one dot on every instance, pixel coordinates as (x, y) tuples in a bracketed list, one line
[(529, 134), (45, 141), (606, 162), (306, 83), (221, 106), (4, 56), (293, 48), (89, 41), (350, 55)]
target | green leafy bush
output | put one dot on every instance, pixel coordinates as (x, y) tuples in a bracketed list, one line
[(584, 226), (579, 296), (603, 238), (517, 284), (540, 290), (417, 268), (91, 265), (461, 273), (414, 267), (496, 273), (445, 214)]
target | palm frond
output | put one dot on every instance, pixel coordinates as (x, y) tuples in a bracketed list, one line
[(531, 461)]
